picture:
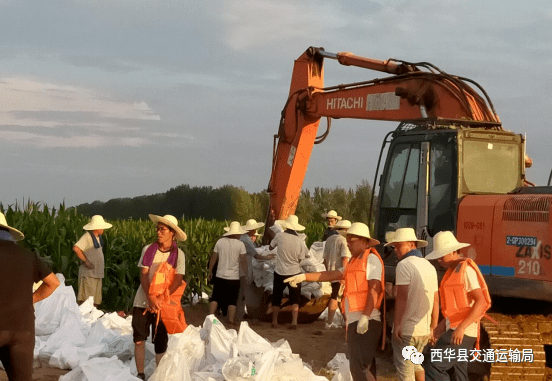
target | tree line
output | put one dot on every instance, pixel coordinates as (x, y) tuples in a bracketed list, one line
[(229, 203)]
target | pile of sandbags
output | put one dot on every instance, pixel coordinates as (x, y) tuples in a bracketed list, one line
[(67, 335), (213, 353), (98, 346), (263, 271)]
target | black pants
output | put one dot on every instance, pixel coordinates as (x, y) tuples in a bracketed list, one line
[(142, 320), (363, 348), (438, 369), (16, 354)]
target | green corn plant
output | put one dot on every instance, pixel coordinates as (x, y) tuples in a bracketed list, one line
[(51, 233)]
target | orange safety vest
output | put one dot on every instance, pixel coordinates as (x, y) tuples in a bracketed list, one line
[(455, 304), (171, 312), (356, 285)]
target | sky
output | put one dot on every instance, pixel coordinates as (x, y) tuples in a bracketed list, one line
[(108, 99)]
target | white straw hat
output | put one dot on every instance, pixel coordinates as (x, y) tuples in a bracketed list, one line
[(97, 223), (292, 222), (171, 222), (16, 234), (361, 230), (331, 214), (405, 235), (252, 225), (234, 229), (343, 224), (445, 243)]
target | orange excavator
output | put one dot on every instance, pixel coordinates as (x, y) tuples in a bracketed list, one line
[(450, 165)]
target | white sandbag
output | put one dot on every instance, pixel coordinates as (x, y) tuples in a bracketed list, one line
[(89, 312), (211, 372), (100, 369), (69, 357), (338, 319), (238, 369), (294, 370), (276, 228), (264, 367), (122, 347), (49, 312), (338, 360), (249, 341), (100, 333), (69, 334), (207, 376), (184, 353), (87, 306), (116, 322), (316, 251), (341, 364), (219, 340)]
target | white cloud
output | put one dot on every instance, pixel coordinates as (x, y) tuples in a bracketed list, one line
[(251, 23), (91, 141), (69, 116), (20, 95)]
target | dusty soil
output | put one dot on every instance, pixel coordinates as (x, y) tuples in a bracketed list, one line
[(316, 345)]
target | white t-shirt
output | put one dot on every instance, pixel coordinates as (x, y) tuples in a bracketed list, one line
[(140, 299), (335, 249), (291, 250), (470, 283), (421, 278), (229, 251), (373, 272)]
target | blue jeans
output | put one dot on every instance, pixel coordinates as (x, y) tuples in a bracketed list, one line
[(437, 370)]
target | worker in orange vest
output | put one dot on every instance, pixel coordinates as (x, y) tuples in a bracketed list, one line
[(464, 300), (362, 299), (147, 306)]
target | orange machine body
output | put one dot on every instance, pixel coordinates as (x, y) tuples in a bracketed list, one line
[(511, 237)]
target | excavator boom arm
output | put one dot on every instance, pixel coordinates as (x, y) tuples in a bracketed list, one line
[(409, 94)]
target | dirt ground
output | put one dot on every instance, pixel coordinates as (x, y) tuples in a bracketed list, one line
[(315, 344)]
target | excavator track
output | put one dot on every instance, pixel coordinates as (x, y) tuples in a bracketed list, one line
[(522, 332)]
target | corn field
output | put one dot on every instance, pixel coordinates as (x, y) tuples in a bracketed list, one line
[(52, 232)]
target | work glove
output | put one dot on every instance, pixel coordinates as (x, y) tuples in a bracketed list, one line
[(362, 325), (295, 280)]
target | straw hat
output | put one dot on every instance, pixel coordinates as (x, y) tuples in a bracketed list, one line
[(331, 214), (292, 222), (171, 222), (361, 230), (252, 225), (16, 234), (404, 235), (445, 243), (97, 223), (234, 229), (343, 224)]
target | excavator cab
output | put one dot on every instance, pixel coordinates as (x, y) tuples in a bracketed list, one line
[(431, 166)]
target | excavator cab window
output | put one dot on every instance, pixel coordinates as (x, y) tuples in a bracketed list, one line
[(490, 165), (400, 187), (443, 179)]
